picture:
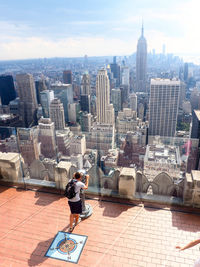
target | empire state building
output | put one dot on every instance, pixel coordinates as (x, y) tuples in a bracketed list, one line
[(141, 63)]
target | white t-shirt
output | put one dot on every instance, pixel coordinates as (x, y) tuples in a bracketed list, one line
[(197, 263), (78, 186)]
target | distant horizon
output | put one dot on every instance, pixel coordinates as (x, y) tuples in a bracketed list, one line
[(63, 28), (189, 58)]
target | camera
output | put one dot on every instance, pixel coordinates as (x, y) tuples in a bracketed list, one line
[(84, 173)]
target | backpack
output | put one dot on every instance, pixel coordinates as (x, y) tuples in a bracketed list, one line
[(70, 189)]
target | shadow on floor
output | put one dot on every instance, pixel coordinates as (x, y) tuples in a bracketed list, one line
[(38, 255), (186, 221), (44, 199), (113, 209), (183, 218)]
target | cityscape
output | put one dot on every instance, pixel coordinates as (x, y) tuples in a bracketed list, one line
[(99, 133), (138, 114)]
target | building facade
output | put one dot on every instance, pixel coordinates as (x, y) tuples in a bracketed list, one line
[(163, 107), (7, 89), (141, 64), (105, 111), (46, 97), (27, 96), (67, 77), (57, 114), (47, 137)]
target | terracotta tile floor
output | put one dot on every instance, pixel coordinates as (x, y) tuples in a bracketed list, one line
[(118, 234)]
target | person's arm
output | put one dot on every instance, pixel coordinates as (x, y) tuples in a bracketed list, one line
[(189, 245), (87, 177)]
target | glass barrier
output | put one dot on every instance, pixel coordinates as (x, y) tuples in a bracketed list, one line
[(124, 165), (11, 161)]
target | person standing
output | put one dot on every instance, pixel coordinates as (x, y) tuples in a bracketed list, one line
[(75, 203)]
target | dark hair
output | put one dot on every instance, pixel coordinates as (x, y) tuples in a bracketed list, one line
[(77, 175)]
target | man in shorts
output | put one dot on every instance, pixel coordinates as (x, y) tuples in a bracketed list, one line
[(75, 203)]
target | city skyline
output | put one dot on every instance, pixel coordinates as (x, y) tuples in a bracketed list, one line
[(66, 29)]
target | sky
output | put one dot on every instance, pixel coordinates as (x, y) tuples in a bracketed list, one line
[(74, 28)]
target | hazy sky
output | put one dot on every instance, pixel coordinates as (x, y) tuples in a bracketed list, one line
[(68, 28)]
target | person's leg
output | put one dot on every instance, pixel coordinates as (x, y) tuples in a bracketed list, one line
[(71, 220), (76, 218)]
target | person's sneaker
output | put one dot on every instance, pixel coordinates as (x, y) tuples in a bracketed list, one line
[(79, 220), (71, 229)]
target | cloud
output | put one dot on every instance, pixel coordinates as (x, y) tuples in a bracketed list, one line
[(70, 47), (176, 25)]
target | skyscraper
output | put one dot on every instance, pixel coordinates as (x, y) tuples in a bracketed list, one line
[(85, 93), (105, 111), (185, 72), (63, 92), (46, 97), (57, 114), (116, 99), (67, 76), (7, 90), (27, 95), (85, 103), (125, 75), (47, 137), (115, 69), (28, 144), (195, 133), (141, 63), (40, 86), (163, 106), (133, 102), (85, 84)]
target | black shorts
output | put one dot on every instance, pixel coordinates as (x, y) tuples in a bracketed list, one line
[(75, 207)]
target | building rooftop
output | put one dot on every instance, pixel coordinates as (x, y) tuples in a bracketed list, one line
[(161, 81), (197, 112), (122, 235)]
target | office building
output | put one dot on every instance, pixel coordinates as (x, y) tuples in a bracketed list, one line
[(57, 114), (163, 107), (27, 96), (67, 77), (14, 106), (46, 97), (162, 158), (86, 121), (47, 137), (124, 94), (29, 146), (63, 92), (195, 99), (141, 64), (133, 102), (73, 112), (7, 89), (85, 84), (85, 103), (116, 99), (78, 145), (101, 137), (125, 75), (85, 93), (105, 111), (63, 139), (195, 133), (40, 86), (115, 69)]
